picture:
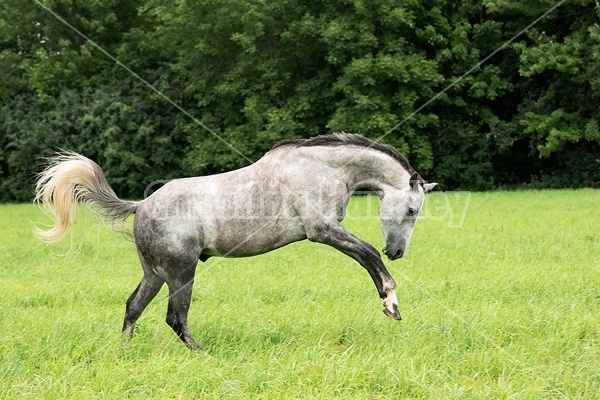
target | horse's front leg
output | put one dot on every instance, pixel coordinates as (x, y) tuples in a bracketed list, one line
[(335, 235)]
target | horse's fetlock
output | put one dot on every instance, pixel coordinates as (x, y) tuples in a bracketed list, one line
[(389, 286)]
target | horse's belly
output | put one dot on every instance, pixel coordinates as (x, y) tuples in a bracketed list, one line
[(244, 238)]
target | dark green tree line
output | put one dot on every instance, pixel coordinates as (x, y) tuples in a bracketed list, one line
[(258, 71)]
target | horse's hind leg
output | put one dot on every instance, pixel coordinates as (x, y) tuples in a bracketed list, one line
[(180, 297), (147, 289)]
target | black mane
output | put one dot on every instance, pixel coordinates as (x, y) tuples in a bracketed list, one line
[(349, 139)]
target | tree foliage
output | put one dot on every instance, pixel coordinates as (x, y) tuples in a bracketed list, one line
[(257, 71)]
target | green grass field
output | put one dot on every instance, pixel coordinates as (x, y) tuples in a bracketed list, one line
[(504, 305)]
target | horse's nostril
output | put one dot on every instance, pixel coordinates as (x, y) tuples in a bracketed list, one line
[(399, 253)]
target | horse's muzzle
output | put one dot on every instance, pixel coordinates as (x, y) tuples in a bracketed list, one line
[(398, 253)]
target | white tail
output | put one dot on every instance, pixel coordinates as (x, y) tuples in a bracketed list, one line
[(70, 178)]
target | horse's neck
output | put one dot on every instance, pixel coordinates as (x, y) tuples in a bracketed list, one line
[(368, 168)]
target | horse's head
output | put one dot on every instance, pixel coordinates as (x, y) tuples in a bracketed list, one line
[(398, 210)]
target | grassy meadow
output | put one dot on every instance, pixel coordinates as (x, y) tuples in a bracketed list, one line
[(499, 294)]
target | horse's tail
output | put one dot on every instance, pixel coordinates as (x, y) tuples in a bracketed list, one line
[(69, 178)]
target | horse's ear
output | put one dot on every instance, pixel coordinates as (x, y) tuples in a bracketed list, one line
[(429, 186), (415, 179)]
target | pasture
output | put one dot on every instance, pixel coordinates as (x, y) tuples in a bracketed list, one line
[(503, 303)]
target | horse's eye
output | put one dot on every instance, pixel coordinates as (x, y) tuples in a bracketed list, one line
[(412, 211)]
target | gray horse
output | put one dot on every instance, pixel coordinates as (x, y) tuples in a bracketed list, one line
[(298, 190)]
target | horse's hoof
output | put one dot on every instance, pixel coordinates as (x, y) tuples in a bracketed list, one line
[(394, 315)]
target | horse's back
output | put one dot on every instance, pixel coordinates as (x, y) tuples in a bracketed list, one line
[(236, 214)]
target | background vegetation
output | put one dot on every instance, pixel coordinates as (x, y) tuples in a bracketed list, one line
[(257, 71), (492, 309)]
